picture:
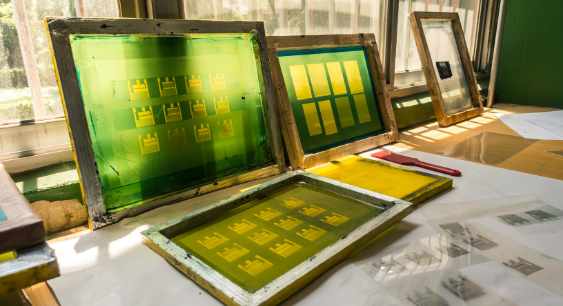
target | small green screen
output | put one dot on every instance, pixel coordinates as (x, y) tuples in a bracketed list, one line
[(263, 239), (170, 112), (331, 93)]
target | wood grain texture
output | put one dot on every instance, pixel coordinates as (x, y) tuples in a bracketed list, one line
[(442, 117), (59, 30), (297, 158)]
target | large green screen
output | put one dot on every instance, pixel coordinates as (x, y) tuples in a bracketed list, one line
[(169, 112), (331, 94), (263, 239)]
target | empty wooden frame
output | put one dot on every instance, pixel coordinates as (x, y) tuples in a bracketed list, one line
[(447, 66), (334, 101), (262, 245), (159, 112)]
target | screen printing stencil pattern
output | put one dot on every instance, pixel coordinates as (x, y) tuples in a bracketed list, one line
[(263, 239), (331, 93), (170, 112)]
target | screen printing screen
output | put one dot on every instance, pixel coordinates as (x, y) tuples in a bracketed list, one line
[(261, 240), (331, 93), (169, 112)]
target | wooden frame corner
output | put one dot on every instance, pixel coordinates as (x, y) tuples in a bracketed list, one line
[(442, 117)]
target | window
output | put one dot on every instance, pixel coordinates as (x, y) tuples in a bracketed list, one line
[(28, 88), (408, 68), (297, 17)]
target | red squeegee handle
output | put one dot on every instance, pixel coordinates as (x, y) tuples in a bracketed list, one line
[(432, 167)]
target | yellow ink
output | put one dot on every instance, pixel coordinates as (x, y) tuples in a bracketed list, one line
[(336, 78), (311, 210), (268, 214), (203, 133), (242, 226), (262, 237), (222, 105), (217, 81), (193, 83), (139, 90), (255, 266), (167, 87), (293, 202), (328, 117), (143, 117), (354, 77), (212, 241), (362, 108), (233, 252), (300, 82), (172, 112), (226, 128), (285, 248), (344, 112), (318, 80), (312, 118), (288, 223), (198, 109), (335, 219), (311, 233), (149, 143)]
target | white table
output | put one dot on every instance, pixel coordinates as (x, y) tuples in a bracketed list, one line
[(112, 267)]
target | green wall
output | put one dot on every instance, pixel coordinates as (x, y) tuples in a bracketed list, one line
[(531, 58)]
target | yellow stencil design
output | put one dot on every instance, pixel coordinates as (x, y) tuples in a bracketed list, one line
[(267, 214), (226, 128), (167, 87), (143, 117), (300, 82), (344, 112), (335, 219), (149, 143), (212, 241), (194, 83), (362, 108), (202, 133), (217, 81), (262, 237), (293, 203), (311, 233), (288, 223), (312, 211), (354, 77), (172, 112), (328, 117), (242, 227), (318, 80), (233, 252), (285, 248), (139, 90), (222, 105), (198, 108), (336, 78), (255, 266), (312, 119)]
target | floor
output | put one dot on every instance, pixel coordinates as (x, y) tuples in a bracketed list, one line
[(466, 247)]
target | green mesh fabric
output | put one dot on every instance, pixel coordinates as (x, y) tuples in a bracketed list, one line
[(169, 112), (332, 96)]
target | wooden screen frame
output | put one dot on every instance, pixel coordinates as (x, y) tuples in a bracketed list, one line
[(59, 30), (158, 239), (430, 73), (297, 157)]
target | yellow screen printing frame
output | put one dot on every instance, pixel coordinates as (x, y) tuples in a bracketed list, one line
[(297, 157), (60, 32), (234, 232)]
